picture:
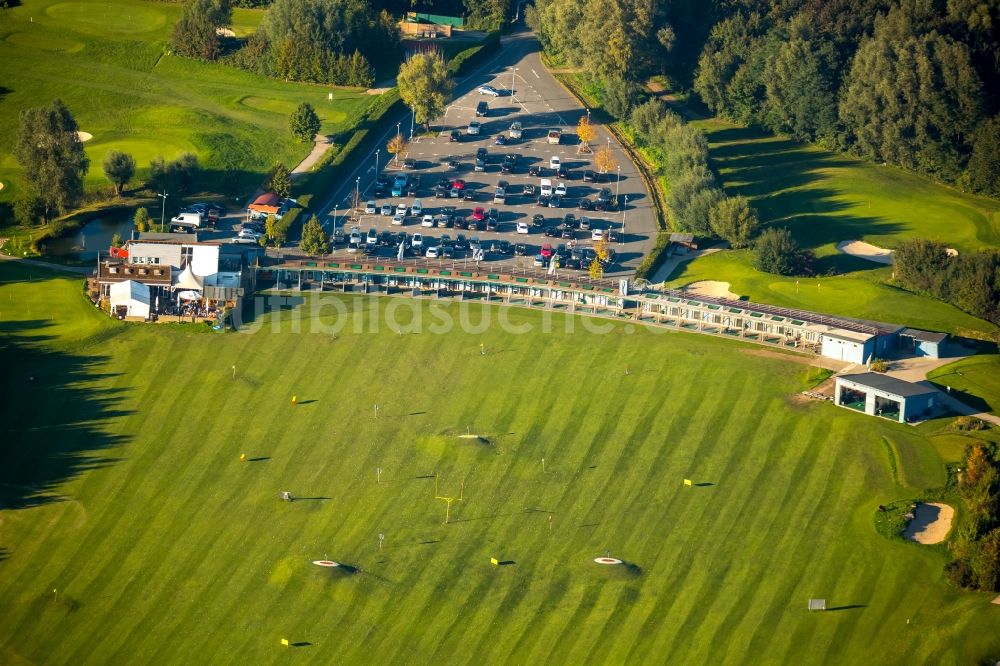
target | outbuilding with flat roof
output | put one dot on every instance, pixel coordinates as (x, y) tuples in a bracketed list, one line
[(880, 395)]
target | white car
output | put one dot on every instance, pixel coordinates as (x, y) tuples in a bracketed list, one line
[(545, 187), (561, 189), (417, 209), (417, 241), (370, 208), (372, 237), (516, 129), (401, 209), (522, 228), (397, 219), (554, 162), (488, 90), (473, 128), (249, 234), (432, 252), (597, 234), (427, 221), (387, 209)]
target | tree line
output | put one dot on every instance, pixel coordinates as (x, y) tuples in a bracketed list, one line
[(914, 83)]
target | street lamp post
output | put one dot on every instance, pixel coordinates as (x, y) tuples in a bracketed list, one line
[(621, 241), (413, 117), (334, 244), (376, 162), (357, 193), (619, 181), (163, 208), (513, 76), (588, 116)]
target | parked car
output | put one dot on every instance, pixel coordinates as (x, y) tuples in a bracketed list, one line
[(516, 130), (555, 136), (372, 237), (508, 164), (432, 252), (417, 208), (386, 209), (520, 249), (413, 187), (596, 234), (455, 135), (460, 243), (417, 241), (427, 221), (534, 171), (468, 195), (409, 163), (543, 200), (482, 157), (442, 221), (540, 261), (583, 224), (384, 239), (530, 189), (482, 109), (554, 162), (447, 250), (604, 196), (555, 201), (473, 129), (545, 188), (401, 209), (588, 176), (499, 140), (502, 247), (561, 189), (585, 204), (370, 208), (478, 213), (546, 250), (458, 184), (249, 234), (523, 228), (398, 219), (488, 90)]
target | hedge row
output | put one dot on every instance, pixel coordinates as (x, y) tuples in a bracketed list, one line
[(464, 60)]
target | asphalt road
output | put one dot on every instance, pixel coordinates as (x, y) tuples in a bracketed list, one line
[(533, 97)]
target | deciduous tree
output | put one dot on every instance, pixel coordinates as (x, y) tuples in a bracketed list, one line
[(396, 146), (50, 152), (119, 168), (775, 251), (586, 132), (733, 219), (605, 160), (304, 123), (425, 86), (141, 219), (196, 33)]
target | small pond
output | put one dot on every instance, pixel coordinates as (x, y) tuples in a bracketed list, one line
[(85, 242)]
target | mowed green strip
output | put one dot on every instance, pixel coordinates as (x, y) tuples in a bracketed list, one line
[(173, 550), (107, 61)]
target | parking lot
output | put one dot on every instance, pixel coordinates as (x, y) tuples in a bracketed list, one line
[(532, 97)]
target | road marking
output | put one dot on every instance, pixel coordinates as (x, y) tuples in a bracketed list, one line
[(536, 74)]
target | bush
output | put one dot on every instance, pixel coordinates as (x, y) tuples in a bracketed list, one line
[(969, 423), (879, 365), (777, 252)]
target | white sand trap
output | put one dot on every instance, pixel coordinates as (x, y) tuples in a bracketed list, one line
[(225, 32), (865, 251), (712, 288), (84, 136), (1, 186), (951, 252), (930, 524)]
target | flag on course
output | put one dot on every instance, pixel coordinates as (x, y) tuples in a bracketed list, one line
[(687, 482)]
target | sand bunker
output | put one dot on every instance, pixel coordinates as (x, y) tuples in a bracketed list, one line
[(930, 524), (84, 136), (1, 186), (712, 288), (865, 251), (951, 252)]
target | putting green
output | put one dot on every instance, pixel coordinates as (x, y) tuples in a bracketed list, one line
[(105, 17), (285, 107), (44, 42)]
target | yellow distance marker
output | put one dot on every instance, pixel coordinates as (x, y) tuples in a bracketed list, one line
[(687, 482), (494, 561), (284, 641), (295, 400), (243, 457)]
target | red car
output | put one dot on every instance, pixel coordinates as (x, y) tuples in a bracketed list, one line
[(458, 184), (546, 250), (478, 214)]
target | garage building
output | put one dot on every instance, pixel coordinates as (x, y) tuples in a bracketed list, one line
[(880, 395)]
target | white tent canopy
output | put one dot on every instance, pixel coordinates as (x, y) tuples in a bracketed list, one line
[(188, 281), (133, 296)]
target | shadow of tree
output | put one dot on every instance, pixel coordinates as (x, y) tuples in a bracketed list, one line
[(781, 176), (53, 418)]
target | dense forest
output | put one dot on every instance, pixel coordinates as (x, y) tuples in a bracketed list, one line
[(914, 83)]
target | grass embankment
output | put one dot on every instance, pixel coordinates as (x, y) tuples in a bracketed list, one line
[(161, 546), (107, 61)]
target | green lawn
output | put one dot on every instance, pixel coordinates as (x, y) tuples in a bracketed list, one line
[(974, 380), (863, 293), (133, 533), (107, 61)]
